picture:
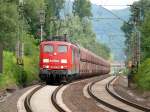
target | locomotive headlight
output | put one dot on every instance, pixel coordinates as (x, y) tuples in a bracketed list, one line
[(45, 60), (62, 67), (47, 66), (63, 61)]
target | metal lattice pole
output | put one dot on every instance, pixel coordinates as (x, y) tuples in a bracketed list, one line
[(42, 21), (20, 45), (1, 58)]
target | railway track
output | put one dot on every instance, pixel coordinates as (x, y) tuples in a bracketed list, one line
[(113, 101), (54, 100), (32, 95), (124, 100), (77, 98), (28, 98), (110, 99)]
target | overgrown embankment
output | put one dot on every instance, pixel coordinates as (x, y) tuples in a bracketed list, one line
[(142, 77), (17, 75)]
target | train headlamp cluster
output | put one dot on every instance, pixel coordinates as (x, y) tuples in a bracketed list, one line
[(63, 60), (45, 60), (53, 67)]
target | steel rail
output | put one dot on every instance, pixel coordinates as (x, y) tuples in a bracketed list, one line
[(28, 98), (53, 97), (140, 107), (54, 100), (101, 101)]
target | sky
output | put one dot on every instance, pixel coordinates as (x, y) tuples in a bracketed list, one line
[(113, 2)]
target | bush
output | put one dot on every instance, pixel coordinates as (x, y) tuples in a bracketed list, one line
[(7, 78), (31, 59), (14, 74), (142, 78), (20, 75)]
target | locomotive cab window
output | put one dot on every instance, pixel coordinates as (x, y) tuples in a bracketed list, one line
[(48, 48), (62, 48)]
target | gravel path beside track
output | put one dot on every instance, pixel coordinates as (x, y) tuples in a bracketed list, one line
[(10, 105)]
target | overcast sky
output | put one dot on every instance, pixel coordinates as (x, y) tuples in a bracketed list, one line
[(113, 2)]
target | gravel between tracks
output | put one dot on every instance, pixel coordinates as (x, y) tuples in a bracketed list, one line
[(10, 105), (74, 98)]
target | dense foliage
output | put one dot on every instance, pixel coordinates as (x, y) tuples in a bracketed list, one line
[(14, 74), (22, 22), (8, 24), (140, 13), (142, 78), (82, 8)]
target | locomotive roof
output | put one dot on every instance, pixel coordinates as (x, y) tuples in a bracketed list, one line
[(57, 42)]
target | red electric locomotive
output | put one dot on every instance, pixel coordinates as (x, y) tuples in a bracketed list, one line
[(62, 60)]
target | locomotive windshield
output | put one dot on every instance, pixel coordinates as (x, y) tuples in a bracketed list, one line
[(62, 49), (48, 48)]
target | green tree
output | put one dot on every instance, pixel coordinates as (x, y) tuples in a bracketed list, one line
[(31, 14), (53, 16), (128, 30), (8, 24), (145, 36), (82, 8), (139, 10), (84, 36)]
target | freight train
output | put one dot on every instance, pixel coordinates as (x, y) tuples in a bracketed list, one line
[(61, 60)]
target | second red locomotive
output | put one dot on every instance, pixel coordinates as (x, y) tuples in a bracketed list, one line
[(62, 60)]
